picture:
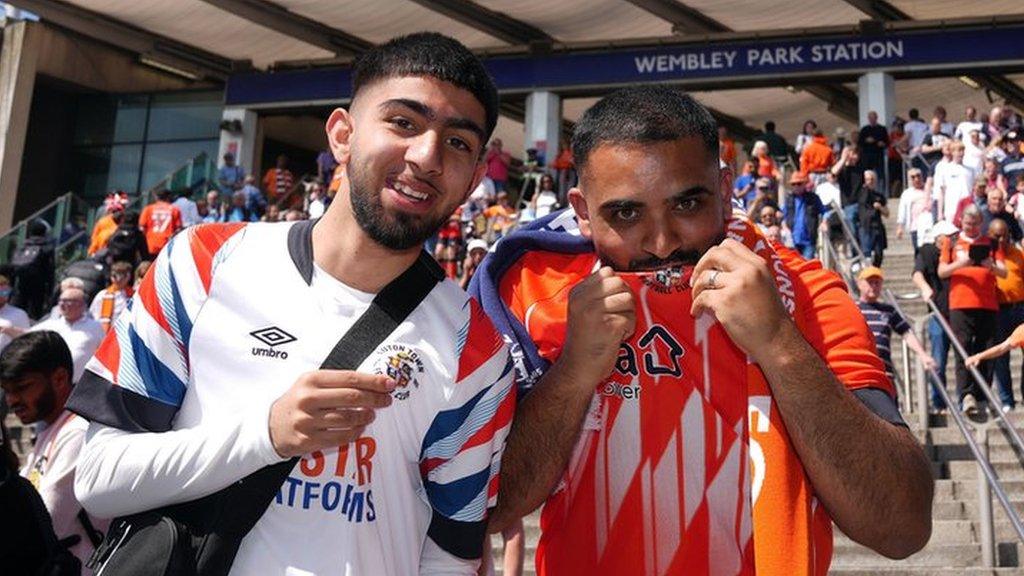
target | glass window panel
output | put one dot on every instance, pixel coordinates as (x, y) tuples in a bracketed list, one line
[(95, 122), (163, 159), (191, 115), (130, 125), (104, 168)]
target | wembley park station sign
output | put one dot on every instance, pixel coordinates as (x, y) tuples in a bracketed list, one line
[(782, 59)]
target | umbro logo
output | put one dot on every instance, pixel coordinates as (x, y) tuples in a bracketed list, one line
[(272, 336)]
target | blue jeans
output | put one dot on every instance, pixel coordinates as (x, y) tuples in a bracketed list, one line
[(1010, 316), (939, 343), (853, 220), (871, 245)]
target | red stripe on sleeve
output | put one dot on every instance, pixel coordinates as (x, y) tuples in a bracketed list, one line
[(502, 417), (482, 342), (205, 240)]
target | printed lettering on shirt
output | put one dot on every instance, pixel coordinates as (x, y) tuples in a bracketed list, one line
[(656, 353), (759, 411), (338, 482)]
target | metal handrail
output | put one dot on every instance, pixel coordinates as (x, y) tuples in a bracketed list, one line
[(991, 481)]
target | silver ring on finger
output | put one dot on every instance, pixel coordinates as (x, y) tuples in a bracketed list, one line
[(712, 280)]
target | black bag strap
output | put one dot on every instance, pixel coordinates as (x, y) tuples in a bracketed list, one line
[(244, 502), (94, 535)]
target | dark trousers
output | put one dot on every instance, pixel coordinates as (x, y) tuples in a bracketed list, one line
[(975, 328), (939, 342), (872, 242), (1010, 316)]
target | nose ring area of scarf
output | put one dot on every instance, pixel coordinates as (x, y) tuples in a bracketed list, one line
[(712, 279)]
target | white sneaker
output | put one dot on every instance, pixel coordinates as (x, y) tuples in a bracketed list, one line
[(969, 406), (1007, 408)]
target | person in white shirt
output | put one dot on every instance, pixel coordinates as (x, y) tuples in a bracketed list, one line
[(189, 211), (79, 330), (13, 320), (829, 193), (953, 182), (111, 301), (35, 373), (216, 363), (974, 151), (914, 213), (316, 201), (971, 122)]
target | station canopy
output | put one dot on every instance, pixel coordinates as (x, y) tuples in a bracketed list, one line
[(215, 38)]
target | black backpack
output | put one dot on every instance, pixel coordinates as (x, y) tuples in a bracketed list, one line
[(29, 261), (93, 274)]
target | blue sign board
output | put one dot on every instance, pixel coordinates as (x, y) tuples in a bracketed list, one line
[(939, 49)]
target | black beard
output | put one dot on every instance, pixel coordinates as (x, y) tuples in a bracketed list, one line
[(397, 231)]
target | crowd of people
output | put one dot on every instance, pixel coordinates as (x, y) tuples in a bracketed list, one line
[(127, 403)]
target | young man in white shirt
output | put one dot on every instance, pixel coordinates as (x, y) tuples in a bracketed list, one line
[(13, 320), (35, 373), (214, 373), (79, 330), (953, 182), (969, 123), (112, 300), (915, 209)]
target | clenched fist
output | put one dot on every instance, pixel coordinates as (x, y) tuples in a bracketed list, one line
[(326, 409), (602, 314)]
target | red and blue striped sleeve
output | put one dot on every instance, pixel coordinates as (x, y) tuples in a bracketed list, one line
[(461, 451), (139, 375)]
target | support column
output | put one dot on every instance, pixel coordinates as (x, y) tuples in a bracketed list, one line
[(543, 125), (876, 91), (18, 59), (238, 136)]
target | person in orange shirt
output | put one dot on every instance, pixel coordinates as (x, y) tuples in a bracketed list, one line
[(693, 402), (971, 263), (500, 217), (104, 227), (159, 221), (817, 157), (765, 165), (1010, 291), (278, 181), (726, 148)]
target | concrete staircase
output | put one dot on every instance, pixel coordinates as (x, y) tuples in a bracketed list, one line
[(955, 546)]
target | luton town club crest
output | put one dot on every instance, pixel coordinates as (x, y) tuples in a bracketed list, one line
[(402, 365)]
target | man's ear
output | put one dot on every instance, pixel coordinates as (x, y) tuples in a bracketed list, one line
[(579, 205), (60, 379), (339, 134)]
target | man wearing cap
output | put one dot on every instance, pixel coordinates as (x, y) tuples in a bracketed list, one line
[(934, 288), (230, 176), (476, 249), (802, 215), (883, 319)]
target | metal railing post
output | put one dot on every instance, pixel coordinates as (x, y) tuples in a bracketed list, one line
[(908, 405), (922, 381), (988, 551)]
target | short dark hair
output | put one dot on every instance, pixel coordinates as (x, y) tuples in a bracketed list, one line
[(39, 352), (769, 126), (164, 194), (913, 113), (430, 54), (643, 115)]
